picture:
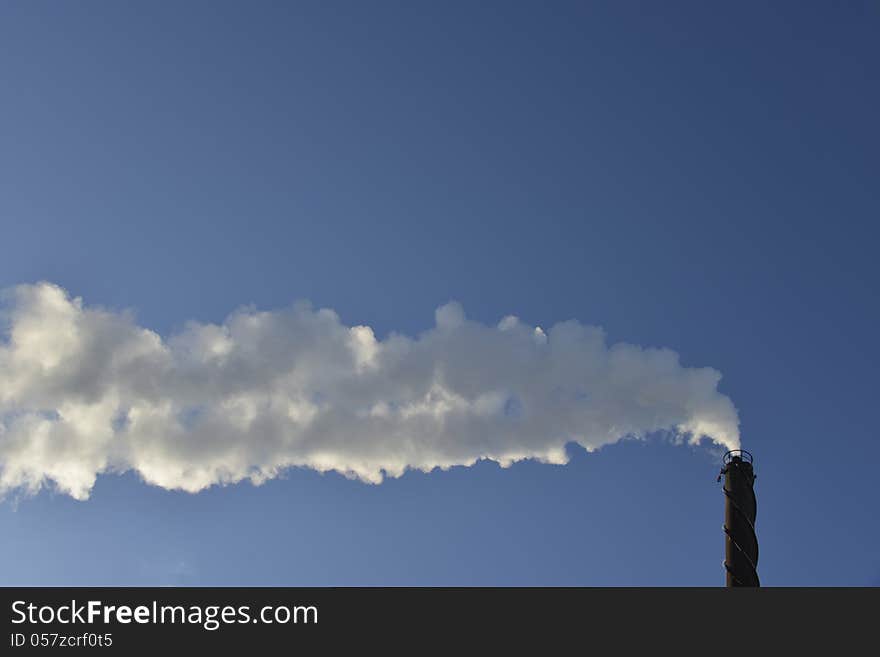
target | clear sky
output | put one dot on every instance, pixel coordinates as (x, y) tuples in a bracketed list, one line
[(699, 176)]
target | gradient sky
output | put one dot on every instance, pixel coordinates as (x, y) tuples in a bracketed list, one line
[(700, 176)]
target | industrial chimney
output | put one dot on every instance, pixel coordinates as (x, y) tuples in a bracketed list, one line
[(740, 509)]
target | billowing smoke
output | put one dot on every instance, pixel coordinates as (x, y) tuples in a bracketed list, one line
[(84, 391)]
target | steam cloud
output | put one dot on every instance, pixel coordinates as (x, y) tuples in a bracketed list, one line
[(85, 391)]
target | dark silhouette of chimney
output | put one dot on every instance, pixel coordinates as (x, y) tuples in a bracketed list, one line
[(740, 509)]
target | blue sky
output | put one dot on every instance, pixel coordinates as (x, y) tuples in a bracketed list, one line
[(697, 176)]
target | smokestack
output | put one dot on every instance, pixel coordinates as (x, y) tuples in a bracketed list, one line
[(740, 509)]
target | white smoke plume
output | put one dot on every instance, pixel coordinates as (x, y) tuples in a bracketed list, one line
[(85, 391)]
